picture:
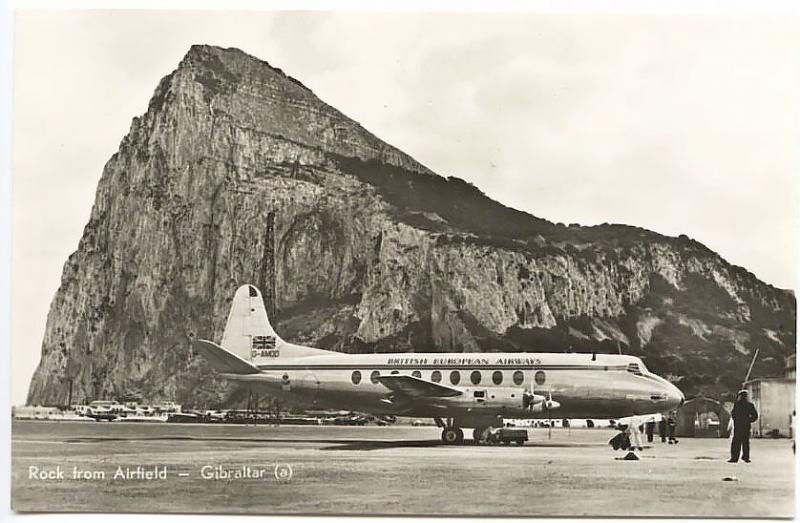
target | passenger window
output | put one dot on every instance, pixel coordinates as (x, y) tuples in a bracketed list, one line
[(395, 372), (416, 374), (374, 376), (539, 377), (455, 377), (497, 377), (436, 376), (356, 377), (475, 377), (519, 377)]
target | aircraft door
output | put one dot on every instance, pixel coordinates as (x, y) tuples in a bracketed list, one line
[(479, 397), (310, 385)]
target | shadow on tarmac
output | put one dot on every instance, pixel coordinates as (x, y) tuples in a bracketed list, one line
[(332, 444), (379, 444)]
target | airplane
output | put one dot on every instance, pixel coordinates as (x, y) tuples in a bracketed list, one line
[(102, 410), (457, 390)]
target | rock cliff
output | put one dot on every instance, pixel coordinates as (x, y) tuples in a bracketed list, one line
[(238, 173)]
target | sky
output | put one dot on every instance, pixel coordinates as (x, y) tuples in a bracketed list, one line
[(679, 124)]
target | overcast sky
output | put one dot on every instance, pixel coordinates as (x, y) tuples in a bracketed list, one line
[(677, 124)]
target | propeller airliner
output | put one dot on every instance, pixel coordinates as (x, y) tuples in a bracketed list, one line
[(457, 390)]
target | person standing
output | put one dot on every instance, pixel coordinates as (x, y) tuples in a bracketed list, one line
[(743, 414), (672, 422), (662, 429), (636, 440), (649, 428)]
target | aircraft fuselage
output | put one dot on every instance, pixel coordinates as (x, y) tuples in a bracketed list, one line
[(493, 384)]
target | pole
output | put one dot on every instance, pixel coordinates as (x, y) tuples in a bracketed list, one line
[(255, 409), (750, 369), (249, 407), (549, 418)]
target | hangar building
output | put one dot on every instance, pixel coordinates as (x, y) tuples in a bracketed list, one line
[(774, 401)]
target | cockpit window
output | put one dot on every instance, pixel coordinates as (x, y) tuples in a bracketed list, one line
[(634, 369)]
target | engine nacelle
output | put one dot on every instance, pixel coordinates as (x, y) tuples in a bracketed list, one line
[(544, 406), (511, 399), (506, 397)]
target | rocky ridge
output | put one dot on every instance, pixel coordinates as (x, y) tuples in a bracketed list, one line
[(239, 173)]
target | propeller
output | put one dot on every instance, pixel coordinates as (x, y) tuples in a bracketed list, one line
[(547, 404), (550, 404), (539, 403), (530, 400)]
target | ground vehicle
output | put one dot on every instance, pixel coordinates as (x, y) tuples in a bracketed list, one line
[(505, 435)]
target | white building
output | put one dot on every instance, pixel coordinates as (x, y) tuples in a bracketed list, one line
[(774, 401)]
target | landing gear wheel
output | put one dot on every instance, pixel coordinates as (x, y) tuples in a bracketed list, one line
[(452, 436)]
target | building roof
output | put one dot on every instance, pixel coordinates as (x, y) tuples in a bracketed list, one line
[(770, 380)]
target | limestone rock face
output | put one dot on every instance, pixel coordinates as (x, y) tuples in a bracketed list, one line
[(238, 173)]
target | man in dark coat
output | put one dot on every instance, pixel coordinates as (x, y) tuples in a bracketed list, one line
[(662, 429), (743, 414), (672, 423), (649, 428)]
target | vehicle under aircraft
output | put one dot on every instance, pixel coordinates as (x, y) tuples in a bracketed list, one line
[(457, 390)]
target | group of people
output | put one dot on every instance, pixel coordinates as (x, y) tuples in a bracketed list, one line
[(630, 435), (743, 415), (666, 428)]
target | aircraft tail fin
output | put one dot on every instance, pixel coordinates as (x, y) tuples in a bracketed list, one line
[(249, 335), (248, 332)]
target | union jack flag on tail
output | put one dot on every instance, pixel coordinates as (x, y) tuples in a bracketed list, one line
[(263, 342)]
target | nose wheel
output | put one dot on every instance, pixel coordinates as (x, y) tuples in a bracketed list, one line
[(452, 435)]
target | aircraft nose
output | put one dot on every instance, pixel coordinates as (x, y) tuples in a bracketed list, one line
[(675, 397)]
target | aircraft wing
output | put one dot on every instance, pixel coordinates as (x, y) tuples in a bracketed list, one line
[(417, 388), (640, 420)]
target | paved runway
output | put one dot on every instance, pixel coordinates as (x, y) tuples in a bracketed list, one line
[(399, 470)]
